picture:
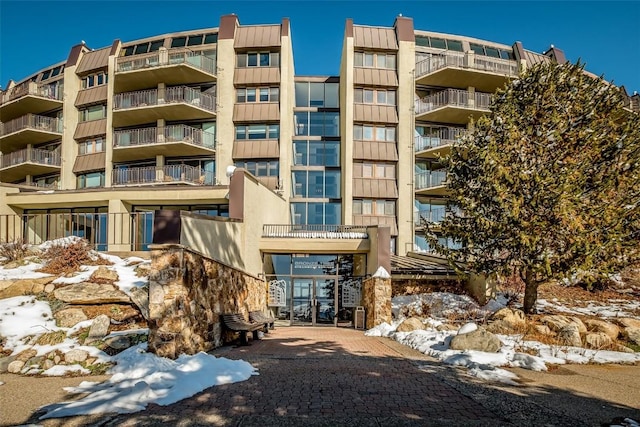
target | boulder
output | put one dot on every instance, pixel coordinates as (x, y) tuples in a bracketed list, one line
[(90, 293), (570, 335), (601, 326), (597, 340), (69, 317), (4, 363), (75, 356), (510, 317), (627, 322), (24, 286), (49, 288), (99, 329), (47, 364), (104, 275), (632, 334), (15, 367), (26, 354), (410, 324), (557, 322), (140, 297), (120, 342), (480, 339), (543, 330)]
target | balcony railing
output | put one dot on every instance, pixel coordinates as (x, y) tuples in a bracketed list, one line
[(315, 231), (174, 133), (466, 61), (430, 179), (50, 91), (34, 155), (438, 138), (32, 121), (167, 174), (434, 215), (166, 57), (453, 97), (178, 94)]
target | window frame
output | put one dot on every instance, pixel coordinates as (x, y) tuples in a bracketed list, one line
[(242, 94), (270, 129), (256, 59), (373, 129), (362, 95), (368, 59), (91, 146)]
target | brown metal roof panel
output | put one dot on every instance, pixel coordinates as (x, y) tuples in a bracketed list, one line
[(94, 60), (257, 36), (89, 162), (256, 75), (256, 149), (94, 95), (89, 129), (256, 112)]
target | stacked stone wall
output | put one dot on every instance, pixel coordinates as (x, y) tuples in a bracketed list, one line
[(376, 298)]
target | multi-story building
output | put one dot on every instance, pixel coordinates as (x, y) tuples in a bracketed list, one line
[(95, 144)]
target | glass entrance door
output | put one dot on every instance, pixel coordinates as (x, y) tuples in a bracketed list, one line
[(314, 301)]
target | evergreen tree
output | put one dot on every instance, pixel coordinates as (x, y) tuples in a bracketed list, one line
[(548, 185)]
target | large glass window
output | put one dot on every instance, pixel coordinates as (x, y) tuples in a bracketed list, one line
[(317, 94), (95, 112), (438, 43), (316, 153), (317, 123), (260, 131), (316, 184), (375, 96), (328, 213), (90, 180), (374, 133)]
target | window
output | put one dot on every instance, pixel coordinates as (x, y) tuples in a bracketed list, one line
[(374, 133), (95, 145), (379, 170), (328, 213), (258, 59), (262, 131), (316, 184), (92, 80), (491, 51), (261, 94), (374, 207), (438, 43), (95, 112), (260, 167), (375, 96), (375, 60), (316, 153), (141, 48), (317, 94), (90, 180), (316, 123)]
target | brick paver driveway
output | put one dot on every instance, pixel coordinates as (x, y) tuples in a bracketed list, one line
[(323, 377)]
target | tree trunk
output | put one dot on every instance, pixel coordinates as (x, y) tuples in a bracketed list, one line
[(530, 292)]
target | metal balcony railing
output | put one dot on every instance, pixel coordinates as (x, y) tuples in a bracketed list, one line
[(430, 179), (453, 97), (173, 133), (433, 215), (180, 174), (166, 57), (466, 61), (315, 231), (34, 155), (31, 121), (437, 138), (178, 94), (50, 91)]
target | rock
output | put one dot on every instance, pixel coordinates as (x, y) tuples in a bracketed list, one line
[(543, 329), (49, 288), (35, 361), (48, 364), (99, 329), (480, 339), (140, 297), (502, 327), (627, 322), (26, 354), (410, 324), (90, 361), (119, 342), (90, 293), (57, 359), (446, 327), (69, 317), (15, 367), (557, 322), (632, 334), (117, 312), (597, 340), (75, 356), (509, 316), (4, 363), (104, 275), (610, 329), (570, 335), (623, 348), (25, 287), (467, 327)]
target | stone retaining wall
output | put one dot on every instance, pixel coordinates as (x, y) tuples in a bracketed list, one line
[(187, 294), (376, 298)]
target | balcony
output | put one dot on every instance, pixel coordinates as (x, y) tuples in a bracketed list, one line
[(170, 174), (434, 215), (29, 97), (452, 106), (171, 141), (438, 143), (28, 129), (170, 104), (459, 70), (18, 164), (431, 183), (172, 67)]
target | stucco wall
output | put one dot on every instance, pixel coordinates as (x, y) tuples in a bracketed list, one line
[(187, 295)]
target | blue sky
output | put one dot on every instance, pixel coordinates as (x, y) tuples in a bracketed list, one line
[(605, 35)]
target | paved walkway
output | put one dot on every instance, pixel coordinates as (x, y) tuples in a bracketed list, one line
[(332, 377)]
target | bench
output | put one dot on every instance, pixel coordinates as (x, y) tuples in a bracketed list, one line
[(260, 317), (236, 323)]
